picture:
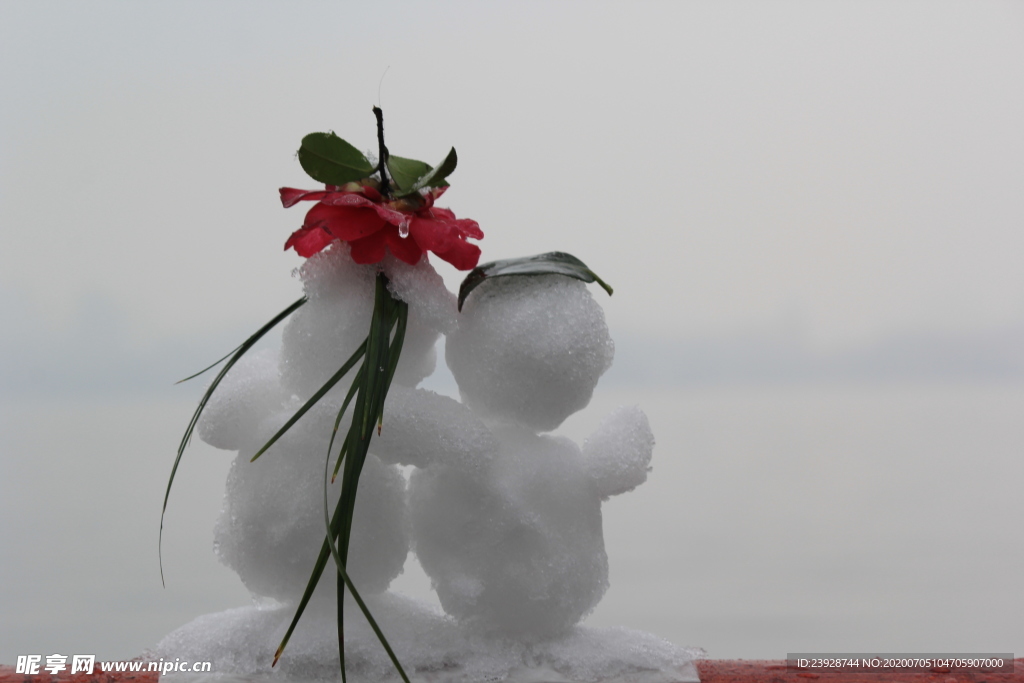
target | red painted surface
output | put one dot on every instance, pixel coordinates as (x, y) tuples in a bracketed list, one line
[(7, 675), (711, 671), (773, 671)]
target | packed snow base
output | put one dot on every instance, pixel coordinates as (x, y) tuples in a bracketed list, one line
[(431, 646), (505, 520)]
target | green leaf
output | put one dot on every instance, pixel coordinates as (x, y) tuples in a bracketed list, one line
[(332, 161), (405, 172), (238, 353), (551, 263), (435, 177)]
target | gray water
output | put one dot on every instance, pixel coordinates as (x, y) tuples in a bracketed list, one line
[(776, 519)]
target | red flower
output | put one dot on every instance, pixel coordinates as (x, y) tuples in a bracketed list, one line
[(359, 215)]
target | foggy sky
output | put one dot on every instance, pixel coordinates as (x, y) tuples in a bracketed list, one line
[(856, 166), (775, 190)]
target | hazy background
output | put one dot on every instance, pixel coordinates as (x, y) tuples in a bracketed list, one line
[(812, 215)]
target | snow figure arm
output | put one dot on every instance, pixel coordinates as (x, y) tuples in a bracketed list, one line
[(618, 454), (422, 428), (249, 393)]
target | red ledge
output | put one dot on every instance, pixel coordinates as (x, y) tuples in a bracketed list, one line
[(7, 675), (711, 671), (776, 671)]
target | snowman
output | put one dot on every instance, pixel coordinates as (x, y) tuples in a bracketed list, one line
[(506, 520), (272, 525)]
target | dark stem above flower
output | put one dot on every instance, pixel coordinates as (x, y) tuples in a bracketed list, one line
[(385, 188)]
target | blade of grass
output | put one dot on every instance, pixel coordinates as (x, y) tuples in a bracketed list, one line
[(211, 365), (318, 568), (380, 329), (328, 385), (321, 561), (381, 311), (369, 389), (235, 356), (341, 513), (394, 354), (337, 421), (369, 402), (348, 582), (262, 331), (314, 579)]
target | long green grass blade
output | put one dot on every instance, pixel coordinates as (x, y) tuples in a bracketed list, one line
[(346, 505), (344, 406), (393, 355), (379, 327), (348, 582), (366, 395), (328, 385), (368, 407), (235, 356), (314, 579), (211, 365), (335, 528), (358, 438)]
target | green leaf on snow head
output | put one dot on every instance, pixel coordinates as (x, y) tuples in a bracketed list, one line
[(551, 263), (332, 161)]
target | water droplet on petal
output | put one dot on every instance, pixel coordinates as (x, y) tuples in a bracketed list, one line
[(403, 228)]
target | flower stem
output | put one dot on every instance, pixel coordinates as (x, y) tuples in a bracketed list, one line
[(385, 186)]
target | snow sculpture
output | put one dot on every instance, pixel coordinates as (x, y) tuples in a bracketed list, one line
[(506, 521), (272, 525)]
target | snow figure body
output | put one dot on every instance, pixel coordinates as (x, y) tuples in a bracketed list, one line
[(506, 520)]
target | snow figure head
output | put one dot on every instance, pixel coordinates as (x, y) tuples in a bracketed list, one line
[(324, 333), (512, 537), (272, 525), (530, 349)]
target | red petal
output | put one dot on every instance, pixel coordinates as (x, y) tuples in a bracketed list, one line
[(290, 196), (346, 199), (442, 213), (391, 215), (308, 241), (431, 235), (404, 249), (468, 227), (464, 226), (461, 254), (357, 200), (348, 223), (369, 249)]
